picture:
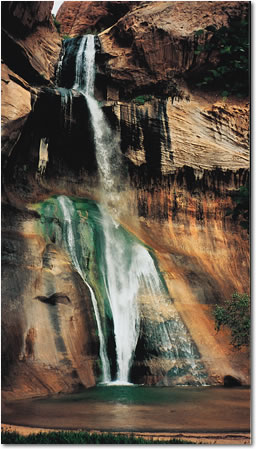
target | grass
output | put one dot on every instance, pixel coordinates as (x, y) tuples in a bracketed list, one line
[(68, 437)]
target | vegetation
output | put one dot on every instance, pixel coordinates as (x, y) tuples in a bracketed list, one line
[(141, 99), (64, 437), (66, 36), (231, 75), (241, 211), (235, 314), (94, 31), (56, 23), (162, 90)]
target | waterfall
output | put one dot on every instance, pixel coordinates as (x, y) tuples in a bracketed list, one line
[(121, 288), (104, 253), (128, 270), (67, 208), (84, 78)]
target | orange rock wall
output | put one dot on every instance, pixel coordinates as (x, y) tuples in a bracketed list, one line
[(47, 347), (204, 258)]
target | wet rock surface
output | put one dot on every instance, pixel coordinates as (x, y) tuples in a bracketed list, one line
[(49, 343), (30, 51)]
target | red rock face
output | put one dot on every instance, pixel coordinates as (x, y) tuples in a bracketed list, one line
[(23, 17), (78, 18), (30, 50), (156, 41), (31, 44)]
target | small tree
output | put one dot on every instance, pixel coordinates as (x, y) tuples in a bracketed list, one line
[(56, 23), (231, 74), (241, 210), (236, 315)]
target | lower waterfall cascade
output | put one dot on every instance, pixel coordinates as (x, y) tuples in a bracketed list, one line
[(128, 284), (130, 281)]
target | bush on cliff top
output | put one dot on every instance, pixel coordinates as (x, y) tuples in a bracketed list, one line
[(231, 74), (56, 23)]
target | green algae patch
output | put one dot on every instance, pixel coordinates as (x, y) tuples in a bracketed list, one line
[(88, 239)]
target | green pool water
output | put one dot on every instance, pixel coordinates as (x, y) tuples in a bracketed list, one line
[(137, 408), (148, 395)]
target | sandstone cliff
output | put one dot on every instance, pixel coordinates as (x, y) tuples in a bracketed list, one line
[(30, 51), (48, 341), (156, 42), (185, 155), (78, 18)]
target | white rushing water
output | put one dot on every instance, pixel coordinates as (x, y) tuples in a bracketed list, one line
[(68, 210), (120, 272), (106, 143), (85, 62)]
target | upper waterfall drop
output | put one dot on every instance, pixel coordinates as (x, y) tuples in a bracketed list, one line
[(85, 67), (106, 142)]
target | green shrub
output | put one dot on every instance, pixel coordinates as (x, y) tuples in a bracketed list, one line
[(67, 437), (141, 99), (66, 36), (236, 315), (231, 74), (56, 23), (241, 212), (91, 31)]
